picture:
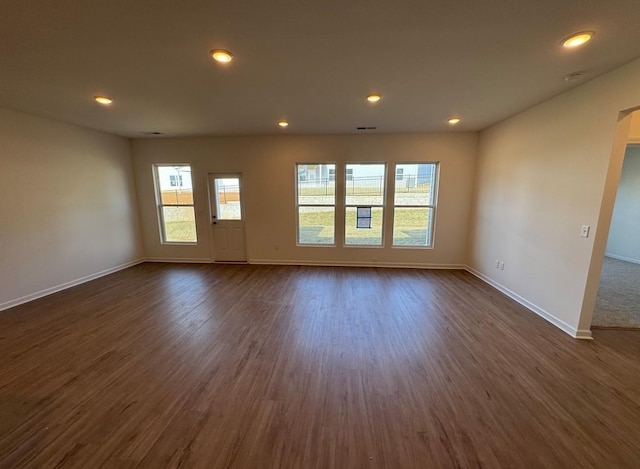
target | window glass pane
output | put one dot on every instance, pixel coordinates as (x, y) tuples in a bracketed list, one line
[(316, 184), (316, 225), (174, 183), (179, 224), (363, 236), (365, 184), (414, 184), (228, 198), (412, 226)]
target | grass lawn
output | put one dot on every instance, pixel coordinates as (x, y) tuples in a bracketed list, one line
[(410, 227), (180, 231), (179, 224)]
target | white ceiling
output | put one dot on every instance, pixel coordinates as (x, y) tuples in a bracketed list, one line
[(312, 63)]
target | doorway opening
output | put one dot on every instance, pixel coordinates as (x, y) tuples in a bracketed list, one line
[(617, 302)]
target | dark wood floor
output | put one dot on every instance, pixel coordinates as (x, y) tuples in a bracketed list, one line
[(308, 367)]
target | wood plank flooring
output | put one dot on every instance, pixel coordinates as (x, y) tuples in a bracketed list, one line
[(227, 366)]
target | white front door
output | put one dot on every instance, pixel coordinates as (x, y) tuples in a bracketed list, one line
[(227, 218)]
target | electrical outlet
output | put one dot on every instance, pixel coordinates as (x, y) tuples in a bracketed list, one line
[(497, 264), (501, 265)]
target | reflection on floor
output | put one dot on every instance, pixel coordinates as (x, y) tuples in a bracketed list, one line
[(618, 301)]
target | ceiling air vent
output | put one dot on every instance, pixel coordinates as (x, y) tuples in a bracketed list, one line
[(366, 128), (151, 133), (569, 77)]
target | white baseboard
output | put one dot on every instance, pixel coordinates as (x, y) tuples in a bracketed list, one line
[(576, 333), (64, 286), (180, 260), (559, 323), (357, 264), (622, 258)]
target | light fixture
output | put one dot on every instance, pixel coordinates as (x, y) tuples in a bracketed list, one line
[(221, 55), (577, 39), (453, 120), (103, 99), (283, 124), (374, 98)]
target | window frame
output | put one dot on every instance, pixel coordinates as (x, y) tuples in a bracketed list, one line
[(350, 177), (431, 223), (160, 205), (298, 204)]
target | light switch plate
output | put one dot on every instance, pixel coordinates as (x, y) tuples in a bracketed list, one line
[(585, 231)]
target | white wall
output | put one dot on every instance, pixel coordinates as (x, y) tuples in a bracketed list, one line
[(624, 235), (541, 175), (268, 167), (67, 206)]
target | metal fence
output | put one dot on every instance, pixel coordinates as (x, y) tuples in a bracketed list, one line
[(364, 185), (228, 194), (322, 186)]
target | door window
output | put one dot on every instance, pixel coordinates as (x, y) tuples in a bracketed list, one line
[(228, 199)]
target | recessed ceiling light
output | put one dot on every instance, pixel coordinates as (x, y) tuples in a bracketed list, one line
[(577, 39), (283, 124), (103, 99), (221, 55), (374, 98), (453, 120)]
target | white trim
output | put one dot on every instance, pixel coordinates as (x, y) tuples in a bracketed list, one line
[(584, 334), (622, 258), (180, 260), (64, 286), (559, 323), (357, 264), (576, 333)]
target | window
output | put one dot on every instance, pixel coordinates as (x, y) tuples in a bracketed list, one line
[(227, 198), (176, 212), (413, 204), (316, 202), (364, 204)]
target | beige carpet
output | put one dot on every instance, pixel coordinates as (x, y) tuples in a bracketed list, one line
[(618, 301)]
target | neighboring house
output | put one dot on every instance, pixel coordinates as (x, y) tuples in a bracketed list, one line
[(175, 177), (414, 174), (316, 172), (411, 174)]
